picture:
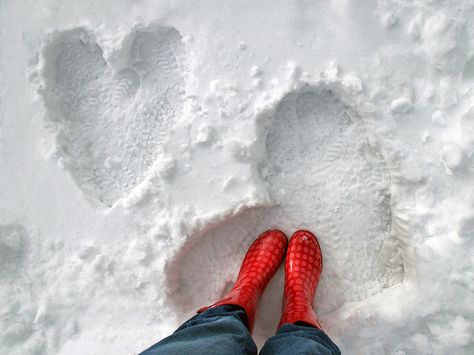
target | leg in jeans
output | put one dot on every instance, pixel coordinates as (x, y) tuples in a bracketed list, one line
[(219, 330), (293, 339)]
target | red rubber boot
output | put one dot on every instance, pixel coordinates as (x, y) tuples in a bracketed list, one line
[(303, 267), (260, 264)]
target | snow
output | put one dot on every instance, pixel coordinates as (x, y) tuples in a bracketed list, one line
[(145, 144), (401, 105)]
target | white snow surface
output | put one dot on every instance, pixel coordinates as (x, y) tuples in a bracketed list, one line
[(145, 144)]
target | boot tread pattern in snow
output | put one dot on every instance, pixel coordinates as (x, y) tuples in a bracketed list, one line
[(112, 122)]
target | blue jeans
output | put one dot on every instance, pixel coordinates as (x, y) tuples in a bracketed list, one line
[(223, 331)]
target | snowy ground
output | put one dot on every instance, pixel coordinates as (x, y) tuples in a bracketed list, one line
[(145, 144)]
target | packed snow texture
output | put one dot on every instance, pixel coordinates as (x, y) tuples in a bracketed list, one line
[(144, 145)]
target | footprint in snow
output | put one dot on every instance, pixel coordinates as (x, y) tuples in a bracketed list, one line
[(112, 122)]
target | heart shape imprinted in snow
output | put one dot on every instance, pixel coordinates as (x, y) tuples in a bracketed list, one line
[(112, 123), (325, 176)]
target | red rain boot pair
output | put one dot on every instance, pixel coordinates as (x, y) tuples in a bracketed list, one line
[(302, 271)]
